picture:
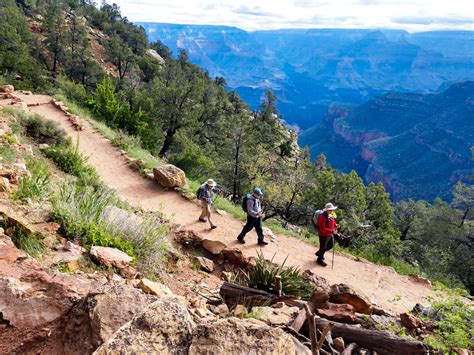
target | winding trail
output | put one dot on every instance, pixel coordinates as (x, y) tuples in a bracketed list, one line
[(381, 284)]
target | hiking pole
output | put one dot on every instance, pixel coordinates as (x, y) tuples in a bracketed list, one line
[(333, 252)]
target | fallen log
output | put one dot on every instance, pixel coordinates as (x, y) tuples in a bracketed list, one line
[(234, 294), (378, 340), (350, 348)]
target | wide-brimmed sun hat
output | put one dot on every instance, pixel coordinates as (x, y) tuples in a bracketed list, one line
[(211, 182), (329, 207)]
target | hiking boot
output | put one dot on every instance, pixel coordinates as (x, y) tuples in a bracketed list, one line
[(213, 227), (321, 262), (262, 242), (241, 240), (202, 220), (317, 254)]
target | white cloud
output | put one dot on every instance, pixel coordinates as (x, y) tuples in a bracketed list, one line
[(411, 15)]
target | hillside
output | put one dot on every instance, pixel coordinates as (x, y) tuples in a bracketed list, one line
[(310, 69), (403, 140)]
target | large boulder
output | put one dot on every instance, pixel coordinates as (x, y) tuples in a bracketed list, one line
[(7, 89), (164, 327), (234, 336), (110, 257), (113, 306), (342, 293), (168, 176), (154, 54)]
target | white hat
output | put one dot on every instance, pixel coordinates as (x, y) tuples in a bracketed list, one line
[(329, 207), (211, 182)]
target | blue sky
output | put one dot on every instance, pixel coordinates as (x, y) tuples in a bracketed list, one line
[(411, 15)]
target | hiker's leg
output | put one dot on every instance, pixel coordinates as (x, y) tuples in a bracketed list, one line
[(247, 228), (330, 243), (322, 246), (203, 215), (209, 216), (259, 229)]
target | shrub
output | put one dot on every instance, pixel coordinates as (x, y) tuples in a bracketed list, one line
[(124, 141), (262, 277), (35, 186), (43, 130), (96, 235), (71, 161), (7, 154), (29, 244), (73, 90)]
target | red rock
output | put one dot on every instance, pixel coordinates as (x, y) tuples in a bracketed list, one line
[(110, 257), (213, 246), (343, 293), (410, 321), (235, 257), (168, 175), (344, 313)]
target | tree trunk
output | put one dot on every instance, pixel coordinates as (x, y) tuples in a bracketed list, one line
[(167, 143), (381, 341)]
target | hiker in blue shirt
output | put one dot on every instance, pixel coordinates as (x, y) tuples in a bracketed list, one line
[(253, 206)]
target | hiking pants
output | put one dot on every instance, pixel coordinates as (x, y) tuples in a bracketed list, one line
[(206, 212), (325, 244), (251, 223)]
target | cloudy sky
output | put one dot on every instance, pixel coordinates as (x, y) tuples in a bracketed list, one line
[(411, 15)]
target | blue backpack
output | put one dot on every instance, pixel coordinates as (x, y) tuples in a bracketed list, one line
[(244, 202)]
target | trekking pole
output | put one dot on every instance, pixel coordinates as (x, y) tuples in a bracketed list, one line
[(333, 252)]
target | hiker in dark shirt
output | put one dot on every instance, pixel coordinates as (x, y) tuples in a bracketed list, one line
[(205, 194), (253, 207)]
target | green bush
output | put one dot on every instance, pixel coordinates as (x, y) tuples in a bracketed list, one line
[(453, 318), (27, 243), (43, 130), (262, 277), (71, 161), (7, 154), (74, 91), (126, 142), (35, 186), (95, 235)]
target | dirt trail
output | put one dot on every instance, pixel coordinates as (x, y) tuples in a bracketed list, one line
[(381, 284)]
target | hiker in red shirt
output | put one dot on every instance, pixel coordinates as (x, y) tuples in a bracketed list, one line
[(326, 226)]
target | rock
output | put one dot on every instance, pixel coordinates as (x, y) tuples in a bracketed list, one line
[(267, 233), (164, 327), (154, 288), (235, 336), (20, 166), (205, 263), (200, 312), (150, 176), (213, 246), (169, 176), (8, 89), (294, 229), (276, 316), (240, 310), (188, 237), (344, 313), (129, 272), (221, 212), (110, 257), (4, 129), (320, 297), (380, 311), (137, 164), (236, 257), (410, 322), (4, 184), (113, 306), (222, 310), (316, 280), (339, 344), (24, 92), (342, 293), (154, 54), (43, 146)]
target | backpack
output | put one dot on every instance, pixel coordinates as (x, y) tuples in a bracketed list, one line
[(315, 217), (198, 192), (244, 202)]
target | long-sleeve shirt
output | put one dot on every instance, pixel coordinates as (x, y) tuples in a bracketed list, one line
[(205, 194), (326, 225), (254, 207)]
